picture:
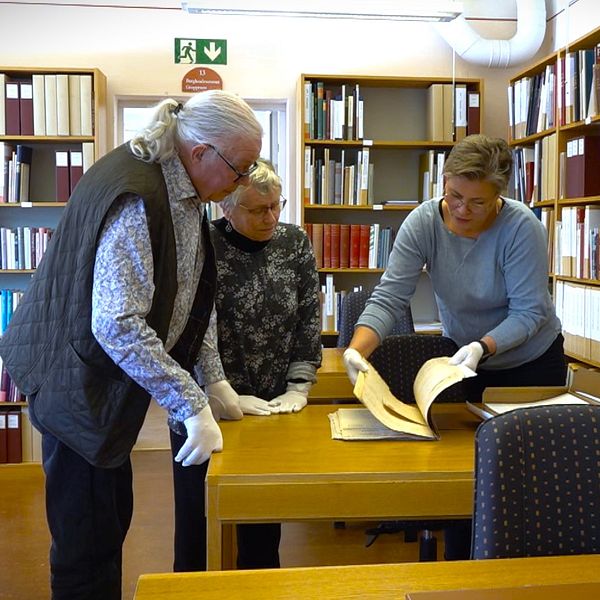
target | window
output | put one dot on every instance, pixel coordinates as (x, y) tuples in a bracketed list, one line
[(134, 113)]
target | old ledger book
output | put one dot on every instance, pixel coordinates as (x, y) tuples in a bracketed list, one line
[(386, 417)]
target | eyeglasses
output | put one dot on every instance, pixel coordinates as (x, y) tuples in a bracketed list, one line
[(475, 206), (240, 174), (263, 211)]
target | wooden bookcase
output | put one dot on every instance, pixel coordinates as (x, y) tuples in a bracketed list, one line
[(396, 121), (42, 209), (558, 180)]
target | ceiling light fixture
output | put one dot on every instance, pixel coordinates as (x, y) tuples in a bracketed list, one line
[(432, 10)]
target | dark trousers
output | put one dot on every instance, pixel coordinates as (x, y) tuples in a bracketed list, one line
[(549, 369), (258, 544), (89, 511)]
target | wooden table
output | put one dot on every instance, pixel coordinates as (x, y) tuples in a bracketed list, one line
[(287, 468), (376, 582), (332, 382)]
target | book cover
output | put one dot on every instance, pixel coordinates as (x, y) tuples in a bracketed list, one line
[(363, 254), (87, 149), (3, 438), (51, 104), (2, 104), (26, 107), (62, 104), (326, 245), (74, 104), (317, 240), (75, 168), (335, 245), (12, 108), (13, 437), (87, 99), (354, 246), (39, 104), (344, 246), (62, 176), (24, 158)]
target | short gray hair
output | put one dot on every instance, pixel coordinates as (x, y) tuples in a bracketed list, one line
[(209, 116), (264, 180), (479, 157)]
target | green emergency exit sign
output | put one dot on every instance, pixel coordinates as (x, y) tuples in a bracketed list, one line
[(200, 52)]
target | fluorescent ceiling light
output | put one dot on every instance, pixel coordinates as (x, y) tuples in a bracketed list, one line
[(398, 10)]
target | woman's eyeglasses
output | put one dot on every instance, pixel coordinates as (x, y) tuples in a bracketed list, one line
[(263, 211)]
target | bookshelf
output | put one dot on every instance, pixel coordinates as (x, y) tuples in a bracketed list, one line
[(554, 119), (372, 148), (52, 128)]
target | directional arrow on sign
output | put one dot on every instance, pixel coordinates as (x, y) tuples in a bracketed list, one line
[(212, 51)]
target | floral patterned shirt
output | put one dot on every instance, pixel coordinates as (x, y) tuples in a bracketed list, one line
[(268, 311), (123, 290)]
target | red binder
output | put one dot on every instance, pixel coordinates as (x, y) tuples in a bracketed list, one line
[(3, 443), (75, 168), (26, 106), (13, 437), (12, 109), (63, 188)]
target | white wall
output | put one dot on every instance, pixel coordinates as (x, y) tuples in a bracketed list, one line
[(134, 48)]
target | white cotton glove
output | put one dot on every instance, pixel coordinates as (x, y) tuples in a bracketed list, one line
[(203, 438), (224, 401), (468, 356), (252, 405), (354, 362), (295, 397)]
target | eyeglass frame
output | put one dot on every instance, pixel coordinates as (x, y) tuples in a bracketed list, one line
[(470, 204), (263, 211), (240, 174)]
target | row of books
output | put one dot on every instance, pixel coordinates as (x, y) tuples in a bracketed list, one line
[(453, 112), (16, 172), (338, 176), (532, 103), (10, 436), (18, 160), (564, 92), (535, 171), (350, 246), (577, 250), (578, 308), (9, 300), (23, 247), (431, 169), (54, 104), (333, 112)]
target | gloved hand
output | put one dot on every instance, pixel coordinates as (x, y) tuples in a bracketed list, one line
[(295, 397), (204, 438), (354, 362), (252, 405), (224, 401), (468, 356)]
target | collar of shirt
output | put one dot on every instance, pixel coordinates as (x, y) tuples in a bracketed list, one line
[(179, 185)]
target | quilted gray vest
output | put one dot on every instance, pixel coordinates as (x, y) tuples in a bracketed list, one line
[(76, 392)]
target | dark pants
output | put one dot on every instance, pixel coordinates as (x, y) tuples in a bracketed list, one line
[(549, 369), (258, 544), (89, 512)]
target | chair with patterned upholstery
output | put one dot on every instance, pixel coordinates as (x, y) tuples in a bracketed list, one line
[(352, 306), (398, 360), (537, 483)]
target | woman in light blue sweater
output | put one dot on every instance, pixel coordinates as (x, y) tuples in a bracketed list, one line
[(487, 258)]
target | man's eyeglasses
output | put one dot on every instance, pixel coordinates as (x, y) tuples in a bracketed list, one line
[(263, 211), (240, 174)]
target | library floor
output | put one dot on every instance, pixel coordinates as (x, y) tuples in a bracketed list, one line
[(24, 538)]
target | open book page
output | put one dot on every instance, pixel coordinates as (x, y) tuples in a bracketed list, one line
[(433, 377), (499, 408)]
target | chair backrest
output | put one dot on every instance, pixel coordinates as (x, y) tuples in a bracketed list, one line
[(399, 358), (352, 306), (537, 483)]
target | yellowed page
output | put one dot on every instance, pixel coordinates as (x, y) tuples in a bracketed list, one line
[(374, 393), (433, 378)]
